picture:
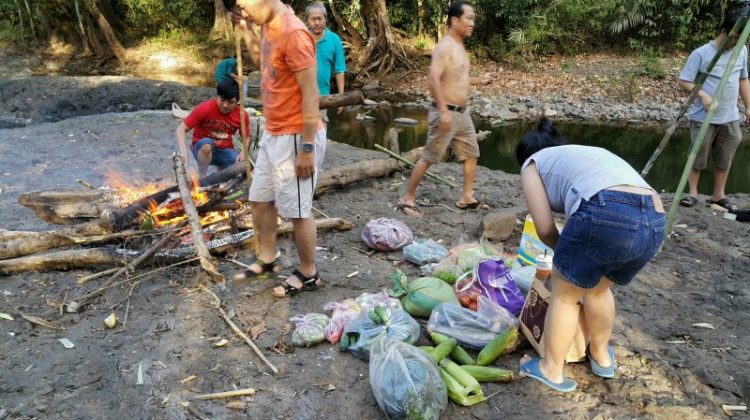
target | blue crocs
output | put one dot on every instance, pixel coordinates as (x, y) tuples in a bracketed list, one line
[(605, 372), (531, 369)]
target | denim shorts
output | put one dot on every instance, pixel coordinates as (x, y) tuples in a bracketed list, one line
[(221, 158), (614, 234)]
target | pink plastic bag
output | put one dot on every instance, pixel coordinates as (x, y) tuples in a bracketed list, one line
[(385, 234), (343, 313)]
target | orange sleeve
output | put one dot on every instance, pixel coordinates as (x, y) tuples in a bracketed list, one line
[(300, 50)]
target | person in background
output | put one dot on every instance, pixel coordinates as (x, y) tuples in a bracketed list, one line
[(226, 69), (292, 148), (213, 122), (449, 118), (615, 225), (329, 54), (724, 134)]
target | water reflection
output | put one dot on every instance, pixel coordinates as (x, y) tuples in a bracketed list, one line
[(634, 144)]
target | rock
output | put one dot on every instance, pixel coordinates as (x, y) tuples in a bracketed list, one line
[(385, 103), (550, 113), (375, 84), (365, 118), (410, 105), (498, 226), (481, 135), (369, 102), (517, 108), (406, 121), (35, 61)]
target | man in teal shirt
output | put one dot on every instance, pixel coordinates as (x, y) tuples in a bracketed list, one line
[(226, 69), (330, 51)]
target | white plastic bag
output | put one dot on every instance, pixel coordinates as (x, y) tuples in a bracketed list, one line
[(469, 328)]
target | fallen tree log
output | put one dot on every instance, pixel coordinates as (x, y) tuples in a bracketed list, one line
[(361, 171), (353, 97), (42, 241), (82, 258)]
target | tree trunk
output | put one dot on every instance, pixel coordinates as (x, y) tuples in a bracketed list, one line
[(50, 240), (93, 39), (222, 25), (353, 97), (346, 30), (82, 30), (104, 25), (20, 17), (31, 18), (382, 52), (420, 18)]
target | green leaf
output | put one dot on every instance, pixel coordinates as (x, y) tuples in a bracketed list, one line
[(6, 316)]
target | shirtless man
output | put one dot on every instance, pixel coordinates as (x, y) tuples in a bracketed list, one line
[(449, 118)]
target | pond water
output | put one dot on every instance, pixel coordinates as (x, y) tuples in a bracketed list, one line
[(634, 144)]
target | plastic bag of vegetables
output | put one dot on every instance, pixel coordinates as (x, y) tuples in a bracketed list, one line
[(310, 329), (469, 328), (406, 381), (385, 234), (381, 298), (342, 313), (419, 297), (447, 271), (369, 326), (424, 251)]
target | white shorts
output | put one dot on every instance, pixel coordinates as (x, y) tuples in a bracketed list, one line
[(274, 178)]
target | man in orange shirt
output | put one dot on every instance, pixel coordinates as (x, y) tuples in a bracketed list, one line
[(291, 150)]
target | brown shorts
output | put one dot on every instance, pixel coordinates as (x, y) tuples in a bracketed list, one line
[(462, 137), (721, 139)]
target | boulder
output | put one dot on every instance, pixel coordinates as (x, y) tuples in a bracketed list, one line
[(406, 121), (498, 226)]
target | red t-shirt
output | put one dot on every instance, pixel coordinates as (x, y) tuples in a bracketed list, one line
[(206, 120), (286, 48)]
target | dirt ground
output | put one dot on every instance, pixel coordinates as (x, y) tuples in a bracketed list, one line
[(667, 368)]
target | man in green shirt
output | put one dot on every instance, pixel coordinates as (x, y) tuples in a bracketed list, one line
[(329, 50)]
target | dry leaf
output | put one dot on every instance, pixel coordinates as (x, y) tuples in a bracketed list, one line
[(705, 325), (67, 343), (258, 329), (6, 316), (40, 321)]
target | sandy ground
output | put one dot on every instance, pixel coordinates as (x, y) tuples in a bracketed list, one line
[(667, 369)]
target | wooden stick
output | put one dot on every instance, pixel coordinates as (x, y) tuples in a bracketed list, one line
[(196, 230), (85, 279), (194, 411), (227, 394), (254, 244), (411, 164), (240, 333), (87, 298)]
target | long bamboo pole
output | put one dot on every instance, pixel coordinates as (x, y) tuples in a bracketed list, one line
[(699, 81), (704, 127), (411, 164)]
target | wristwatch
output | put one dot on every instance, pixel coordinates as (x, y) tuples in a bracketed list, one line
[(308, 147)]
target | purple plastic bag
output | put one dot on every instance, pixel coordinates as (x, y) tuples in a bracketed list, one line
[(385, 234), (496, 283)]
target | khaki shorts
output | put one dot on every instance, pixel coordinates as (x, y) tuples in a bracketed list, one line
[(462, 137), (274, 178), (721, 139)]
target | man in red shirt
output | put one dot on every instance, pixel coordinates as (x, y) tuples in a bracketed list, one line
[(213, 122), (291, 150)]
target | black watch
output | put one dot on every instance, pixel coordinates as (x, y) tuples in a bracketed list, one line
[(308, 147)]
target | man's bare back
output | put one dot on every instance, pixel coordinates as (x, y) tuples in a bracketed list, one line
[(456, 85)]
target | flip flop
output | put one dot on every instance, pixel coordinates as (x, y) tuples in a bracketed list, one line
[(531, 370), (469, 206), (605, 372), (265, 268), (688, 201), (308, 284), (724, 202), (404, 207)]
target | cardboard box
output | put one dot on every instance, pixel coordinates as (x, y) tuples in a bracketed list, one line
[(531, 246), (532, 323)]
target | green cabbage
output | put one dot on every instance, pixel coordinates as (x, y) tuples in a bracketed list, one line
[(421, 296)]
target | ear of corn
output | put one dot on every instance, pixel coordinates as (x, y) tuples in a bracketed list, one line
[(459, 355), (471, 386), (457, 393), (444, 349), (495, 348), (428, 349), (488, 374)]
